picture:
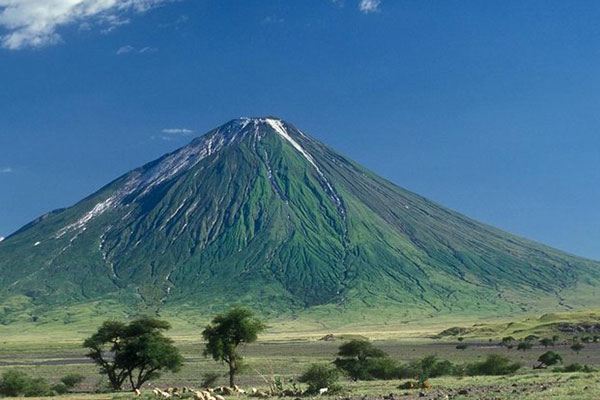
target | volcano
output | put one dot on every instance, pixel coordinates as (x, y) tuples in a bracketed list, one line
[(256, 212)]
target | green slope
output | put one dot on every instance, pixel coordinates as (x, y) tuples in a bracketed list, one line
[(257, 212)]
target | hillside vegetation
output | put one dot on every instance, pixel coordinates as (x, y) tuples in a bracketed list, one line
[(258, 213)]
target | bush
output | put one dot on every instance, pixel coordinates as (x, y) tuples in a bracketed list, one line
[(405, 371), (508, 339), (60, 388), (494, 364), (462, 346), (384, 369), (72, 380), (358, 358), (431, 367), (17, 383), (526, 345), (575, 367), (577, 347), (209, 379), (319, 376)]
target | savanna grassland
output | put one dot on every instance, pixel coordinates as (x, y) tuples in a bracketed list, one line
[(285, 354)]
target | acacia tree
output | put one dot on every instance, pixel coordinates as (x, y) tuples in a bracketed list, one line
[(137, 351), (577, 347), (355, 358), (226, 332), (549, 358)]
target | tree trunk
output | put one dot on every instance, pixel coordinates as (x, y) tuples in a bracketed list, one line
[(231, 374)]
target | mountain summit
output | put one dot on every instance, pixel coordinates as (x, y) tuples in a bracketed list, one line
[(257, 212)]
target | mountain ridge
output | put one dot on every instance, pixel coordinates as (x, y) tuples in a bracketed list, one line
[(257, 212)]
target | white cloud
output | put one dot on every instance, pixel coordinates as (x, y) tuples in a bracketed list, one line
[(177, 131), (6, 170), (130, 49), (1, 238), (273, 19), (148, 49), (125, 49), (34, 23), (369, 6)]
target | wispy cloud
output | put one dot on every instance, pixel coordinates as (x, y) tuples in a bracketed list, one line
[(177, 131), (5, 170), (182, 19), (369, 6), (170, 134), (125, 50), (130, 49), (35, 23), (273, 19), (147, 49)]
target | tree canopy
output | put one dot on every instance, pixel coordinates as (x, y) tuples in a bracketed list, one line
[(226, 332), (139, 350), (549, 358), (357, 358)]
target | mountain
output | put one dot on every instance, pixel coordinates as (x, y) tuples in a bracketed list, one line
[(259, 213)]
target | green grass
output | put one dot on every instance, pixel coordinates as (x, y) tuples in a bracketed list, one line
[(280, 353), (545, 326)]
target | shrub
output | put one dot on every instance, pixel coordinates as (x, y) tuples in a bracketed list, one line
[(494, 364), (431, 367), (319, 376), (575, 367), (526, 345), (17, 383), (442, 368), (72, 380), (209, 379), (60, 388), (507, 339), (384, 369), (361, 360), (405, 371), (577, 347), (547, 342), (531, 338), (462, 346)]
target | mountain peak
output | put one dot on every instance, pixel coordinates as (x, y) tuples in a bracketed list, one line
[(255, 123)]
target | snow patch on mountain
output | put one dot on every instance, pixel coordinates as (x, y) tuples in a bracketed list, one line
[(143, 181), (80, 223), (278, 127)]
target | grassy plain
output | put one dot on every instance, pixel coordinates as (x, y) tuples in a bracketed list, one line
[(286, 352)]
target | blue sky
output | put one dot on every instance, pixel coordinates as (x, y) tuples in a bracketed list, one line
[(488, 107)]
